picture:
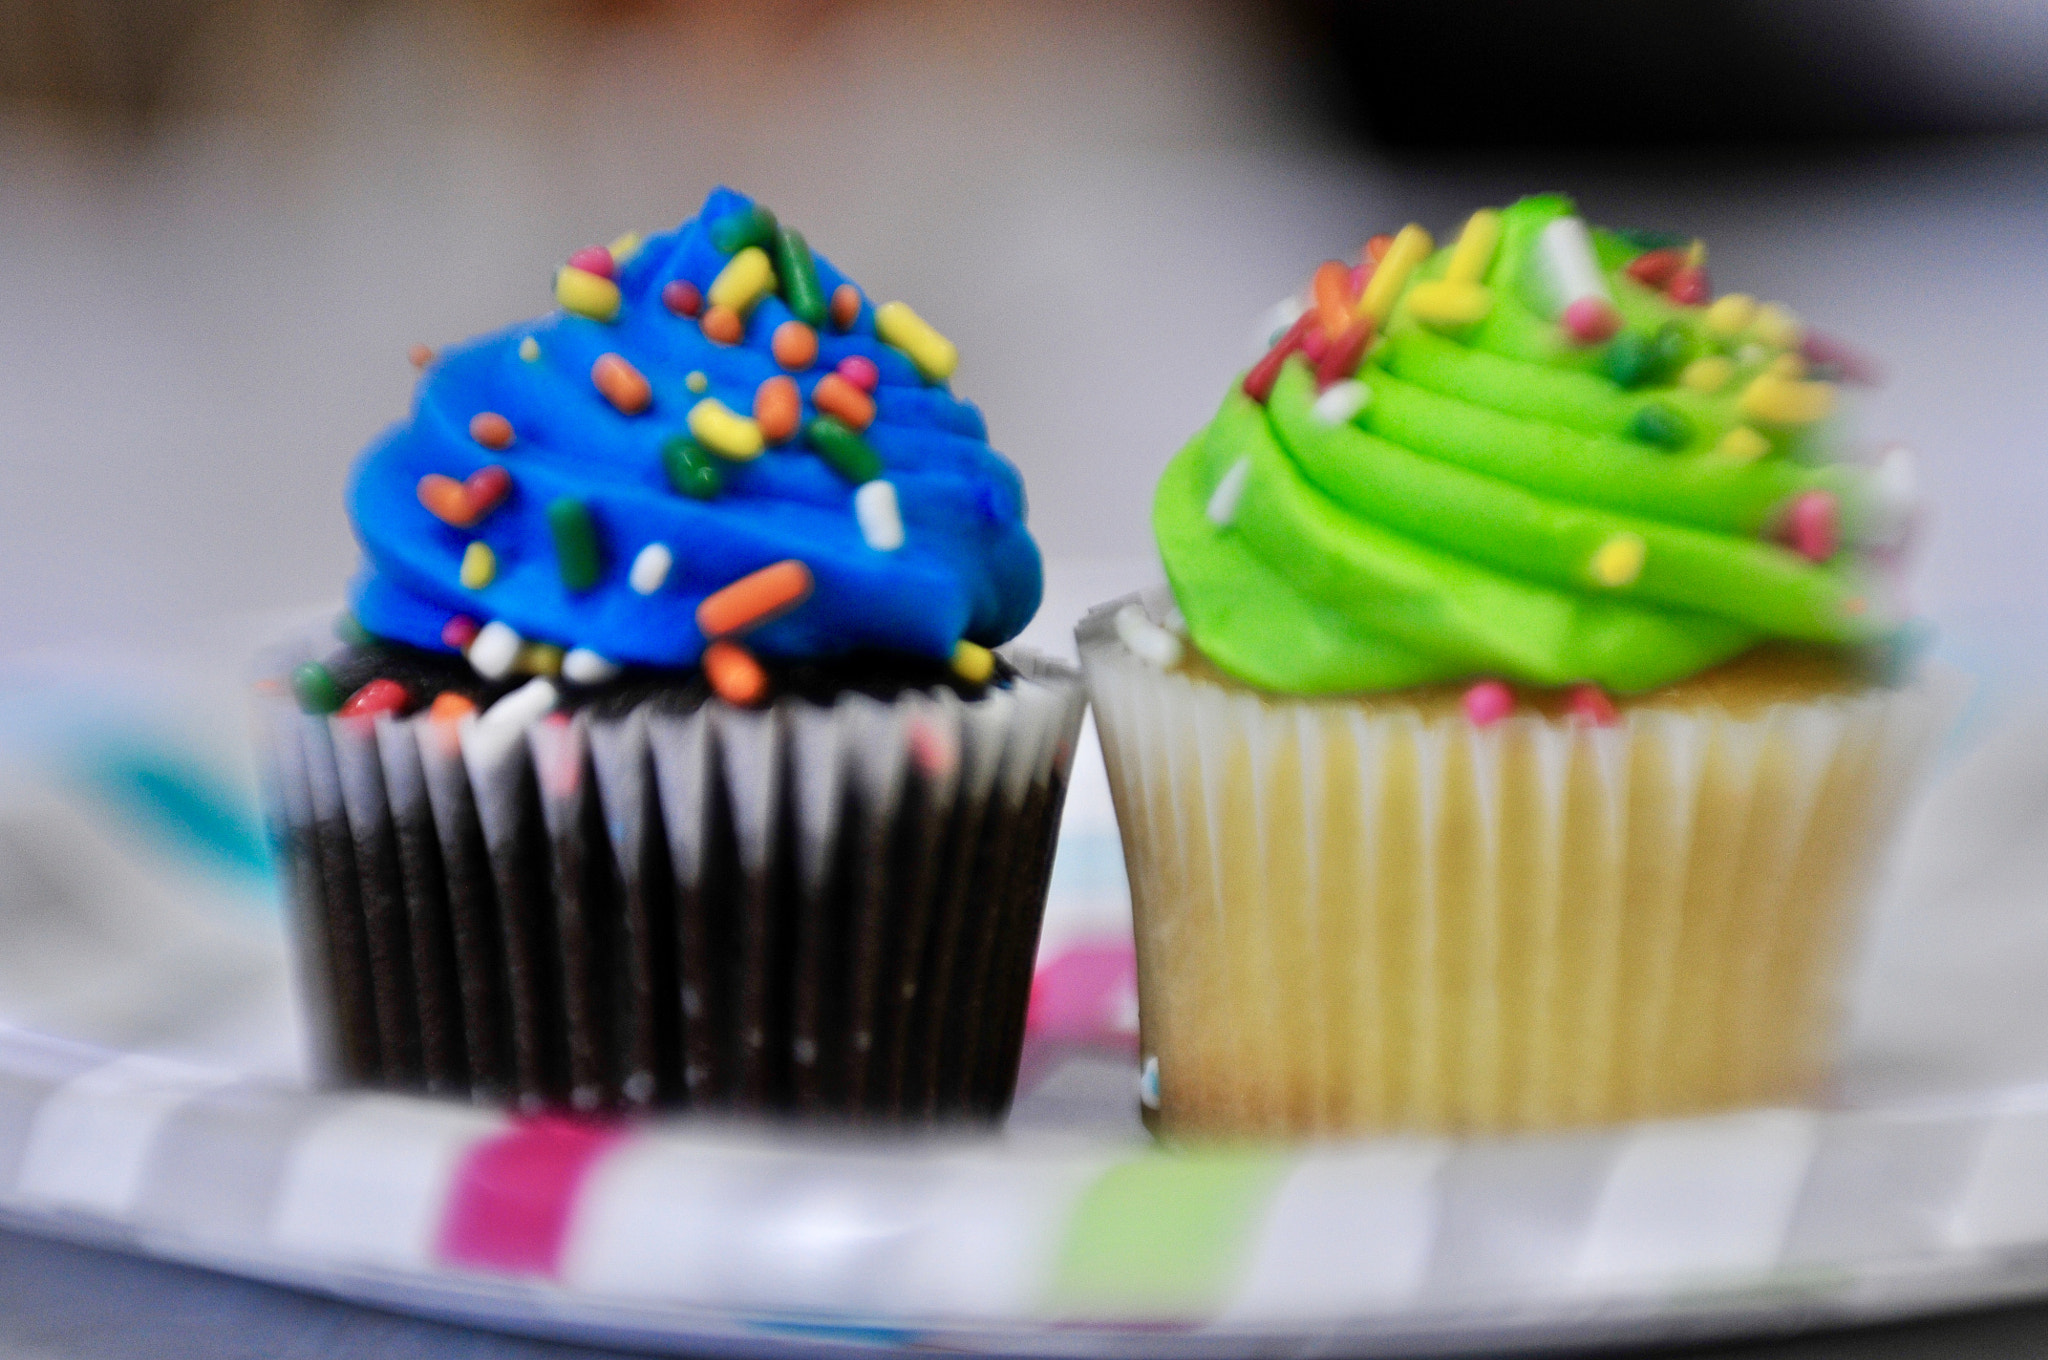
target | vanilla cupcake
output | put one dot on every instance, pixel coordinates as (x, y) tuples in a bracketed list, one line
[(666, 762), (1528, 711)]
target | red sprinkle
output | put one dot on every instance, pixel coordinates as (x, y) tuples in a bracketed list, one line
[(460, 631), (1689, 287), (491, 430), (860, 370), (1341, 359), (1258, 383), (1655, 268), (681, 297), (845, 306), (593, 260), (1591, 320), (1589, 703), (379, 696), (1811, 525), (1849, 363), (1487, 702)]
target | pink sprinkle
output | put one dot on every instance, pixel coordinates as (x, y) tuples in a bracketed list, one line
[(1590, 320), (459, 632), (593, 260), (1589, 703), (1810, 526), (860, 370), (1314, 343), (1487, 702)]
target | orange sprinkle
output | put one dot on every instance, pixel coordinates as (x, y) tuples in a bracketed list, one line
[(734, 674), (1377, 247), (448, 706), (835, 396), (795, 346), (754, 599), (722, 325), (420, 355), (491, 430), (1334, 303), (778, 409), (622, 384), (845, 306)]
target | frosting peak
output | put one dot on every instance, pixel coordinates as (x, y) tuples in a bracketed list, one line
[(1537, 454), (710, 405)]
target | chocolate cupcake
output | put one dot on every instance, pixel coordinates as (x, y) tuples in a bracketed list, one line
[(664, 761)]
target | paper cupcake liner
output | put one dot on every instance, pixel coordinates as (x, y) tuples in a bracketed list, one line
[(821, 909), (1352, 920)]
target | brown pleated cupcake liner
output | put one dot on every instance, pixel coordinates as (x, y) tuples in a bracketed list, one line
[(823, 910), (1354, 917)]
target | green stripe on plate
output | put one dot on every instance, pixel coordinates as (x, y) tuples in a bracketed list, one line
[(1164, 1235)]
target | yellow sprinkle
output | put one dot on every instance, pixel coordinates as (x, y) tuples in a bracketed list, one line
[(1619, 561), (1789, 366), (1411, 246), (696, 382), (1708, 375), (718, 428), (529, 349), (1473, 254), (932, 353), (973, 662), (626, 247), (586, 294), (1449, 303), (1774, 399), (538, 658), (1696, 253), (1776, 327), (479, 566), (1730, 316), (1742, 445), (745, 280)]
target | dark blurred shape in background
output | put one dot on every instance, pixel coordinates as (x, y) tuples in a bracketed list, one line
[(1638, 73)]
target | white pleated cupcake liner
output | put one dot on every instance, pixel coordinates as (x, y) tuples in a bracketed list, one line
[(1351, 917), (813, 909)]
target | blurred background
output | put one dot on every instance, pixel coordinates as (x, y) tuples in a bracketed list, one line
[(223, 222)]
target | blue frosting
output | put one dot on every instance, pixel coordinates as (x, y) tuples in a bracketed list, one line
[(967, 569)]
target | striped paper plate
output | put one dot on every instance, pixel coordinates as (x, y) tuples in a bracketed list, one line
[(150, 1099)]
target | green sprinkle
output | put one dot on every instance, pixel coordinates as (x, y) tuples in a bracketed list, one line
[(1659, 425), (690, 469), (798, 274), (313, 685), (1630, 360), (846, 451), (1653, 240), (734, 232), (575, 543), (1674, 349), (350, 630)]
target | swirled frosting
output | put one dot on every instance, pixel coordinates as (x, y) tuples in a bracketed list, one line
[(1555, 464), (637, 480)]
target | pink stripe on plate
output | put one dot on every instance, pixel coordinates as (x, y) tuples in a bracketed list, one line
[(510, 1208)]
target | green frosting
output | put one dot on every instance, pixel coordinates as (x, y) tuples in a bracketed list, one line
[(1455, 526)]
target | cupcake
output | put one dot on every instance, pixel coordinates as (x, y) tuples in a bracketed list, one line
[(664, 761), (1528, 709)]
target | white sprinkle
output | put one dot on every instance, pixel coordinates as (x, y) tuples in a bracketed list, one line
[(1146, 639), (1223, 500), (1275, 321), (650, 568), (585, 667), (1897, 483), (1565, 250), (1175, 621), (494, 649), (1341, 402), (881, 522), (1148, 1083), (533, 700)]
